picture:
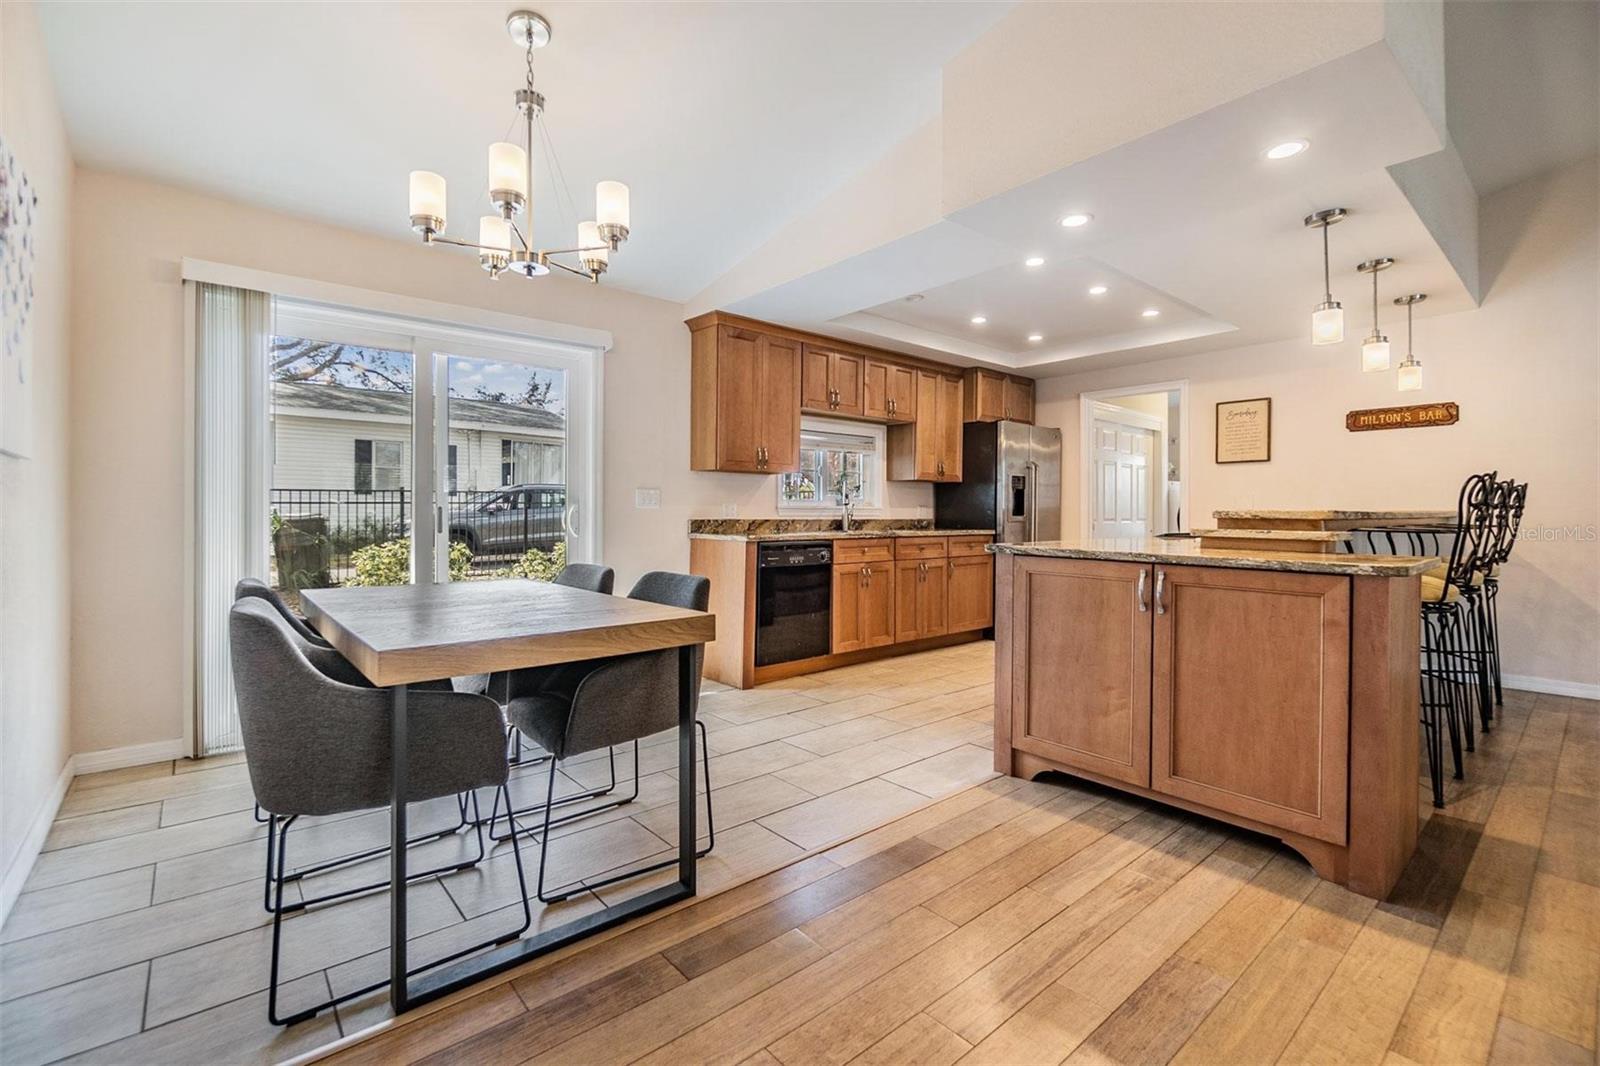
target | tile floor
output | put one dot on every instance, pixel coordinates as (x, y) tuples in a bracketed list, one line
[(141, 937)]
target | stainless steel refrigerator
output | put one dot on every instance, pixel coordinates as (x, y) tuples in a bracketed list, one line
[(1010, 483)]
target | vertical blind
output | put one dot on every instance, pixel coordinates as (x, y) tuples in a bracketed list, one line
[(232, 334)]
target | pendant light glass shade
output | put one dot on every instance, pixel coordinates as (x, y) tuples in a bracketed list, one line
[(508, 169), (1375, 354), (1327, 321), (1410, 378), (1327, 324)]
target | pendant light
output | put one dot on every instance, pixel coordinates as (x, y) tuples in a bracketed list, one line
[(1327, 321), (1410, 370), (1375, 349)]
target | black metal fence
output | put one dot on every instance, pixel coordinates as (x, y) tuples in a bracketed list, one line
[(493, 523)]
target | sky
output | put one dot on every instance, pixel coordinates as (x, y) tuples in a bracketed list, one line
[(391, 371)]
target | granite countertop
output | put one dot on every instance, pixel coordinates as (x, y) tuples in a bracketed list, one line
[(1272, 534), (835, 534), (1189, 553), (1335, 515)]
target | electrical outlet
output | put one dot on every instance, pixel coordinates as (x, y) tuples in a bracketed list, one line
[(647, 499)]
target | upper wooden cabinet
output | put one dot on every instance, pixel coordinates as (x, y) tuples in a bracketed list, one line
[(744, 401), (891, 391), (993, 397), (831, 382), (929, 449)]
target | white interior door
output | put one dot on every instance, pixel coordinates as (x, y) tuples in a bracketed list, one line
[(1124, 453)]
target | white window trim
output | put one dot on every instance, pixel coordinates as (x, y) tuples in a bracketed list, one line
[(879, 435)]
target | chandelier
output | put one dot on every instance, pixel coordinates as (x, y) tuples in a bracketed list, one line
[(501, 244)]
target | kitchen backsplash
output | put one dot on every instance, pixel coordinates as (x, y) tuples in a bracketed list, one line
[(745, 526)]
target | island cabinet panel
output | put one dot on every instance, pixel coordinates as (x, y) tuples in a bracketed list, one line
[(1080, 667), (971, 592), (1250, 695)]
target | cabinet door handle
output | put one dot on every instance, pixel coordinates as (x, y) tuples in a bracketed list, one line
[(1161, 584), (1143, 606)]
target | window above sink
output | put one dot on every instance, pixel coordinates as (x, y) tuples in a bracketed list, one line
[(834, 456)]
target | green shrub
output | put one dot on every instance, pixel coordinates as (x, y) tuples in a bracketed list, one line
[(536, 565), (389, 563)]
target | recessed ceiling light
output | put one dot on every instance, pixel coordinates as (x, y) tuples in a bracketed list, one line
[(1097, 290), (1034, 261), (1074, 221), (1036, 337), (1150, 312), (978, 320), (914, 298), (1287, 149)]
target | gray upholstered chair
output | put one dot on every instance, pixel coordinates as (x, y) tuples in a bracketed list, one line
[(317, 746), (591, 576), (607, 702), (253, 586)]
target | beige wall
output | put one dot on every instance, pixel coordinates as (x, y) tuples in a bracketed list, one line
[(34, 576), (129, 417), (1523, 367)]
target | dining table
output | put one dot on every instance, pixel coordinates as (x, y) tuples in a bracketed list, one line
[(398, 636)]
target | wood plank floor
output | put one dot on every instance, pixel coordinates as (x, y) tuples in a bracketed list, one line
[(1045, 922), (140, 935)]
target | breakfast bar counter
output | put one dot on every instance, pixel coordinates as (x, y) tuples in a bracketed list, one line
[(1277, 691)]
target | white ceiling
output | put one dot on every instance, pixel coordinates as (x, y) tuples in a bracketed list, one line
[(1522, 79), (724, 119)]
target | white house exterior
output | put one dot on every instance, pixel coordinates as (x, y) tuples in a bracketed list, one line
[(319, 431)]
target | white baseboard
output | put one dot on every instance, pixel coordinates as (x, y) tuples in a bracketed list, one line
[(90, 762), (1552, 687), (22, 863)]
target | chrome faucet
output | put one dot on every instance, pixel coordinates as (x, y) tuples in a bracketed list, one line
[(849, 510)]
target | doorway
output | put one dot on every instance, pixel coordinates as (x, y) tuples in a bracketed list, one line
[(1134, 457)]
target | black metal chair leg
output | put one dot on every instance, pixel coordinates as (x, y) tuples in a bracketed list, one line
[(575, 887), (280, 911), (588, 794)]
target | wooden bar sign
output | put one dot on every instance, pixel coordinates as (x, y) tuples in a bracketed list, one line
[(1422, 414)]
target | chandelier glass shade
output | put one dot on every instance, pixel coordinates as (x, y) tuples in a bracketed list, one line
[(502, 244)]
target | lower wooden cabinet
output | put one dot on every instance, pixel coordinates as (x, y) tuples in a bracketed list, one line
[(1083, 700), (970, 594), (1225, 688), (920, 598), (1251, 695), (863, 606)]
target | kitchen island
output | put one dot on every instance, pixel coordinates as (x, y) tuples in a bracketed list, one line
[(1273, 690)]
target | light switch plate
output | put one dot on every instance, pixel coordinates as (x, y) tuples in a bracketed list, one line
[(730, 510), (647, 499)]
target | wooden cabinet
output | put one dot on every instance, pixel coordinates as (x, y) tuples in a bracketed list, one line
[(1019, 400), (970, 593), (891, 391), (1224, 688), (1082, 697), (745, 401), (1251, 695), (920, 598), (831, 382), (863, 606), (991, 397), (929, 449)]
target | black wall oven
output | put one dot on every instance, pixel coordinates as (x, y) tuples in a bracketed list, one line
[(794, 597)]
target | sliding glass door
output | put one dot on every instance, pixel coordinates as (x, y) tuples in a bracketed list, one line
[(406, 451)]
